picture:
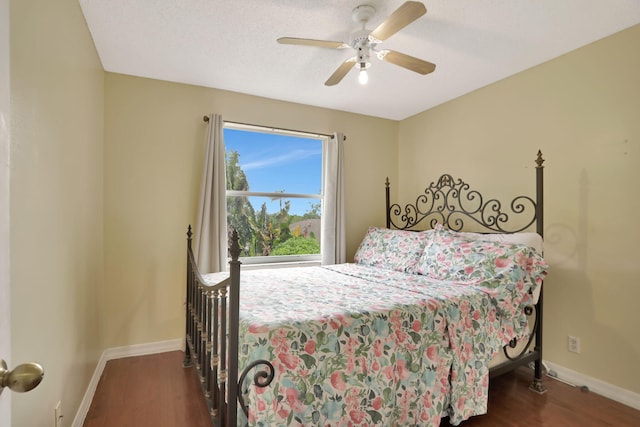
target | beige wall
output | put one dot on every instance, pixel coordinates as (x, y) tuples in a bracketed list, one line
[(154, 144), (57, 87), (583, 111)]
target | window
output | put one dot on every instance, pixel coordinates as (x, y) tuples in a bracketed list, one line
[(274, 193)]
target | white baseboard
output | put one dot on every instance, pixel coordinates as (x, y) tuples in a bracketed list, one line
[(602, 388), (119, 353)]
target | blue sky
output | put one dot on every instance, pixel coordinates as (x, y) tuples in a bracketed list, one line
[(274, 163)]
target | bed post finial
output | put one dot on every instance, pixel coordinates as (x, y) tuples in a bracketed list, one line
[(539, 159), (189, 234), (234, 246)]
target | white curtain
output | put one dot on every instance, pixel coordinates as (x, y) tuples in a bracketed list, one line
[(210, 248), (333, 216)]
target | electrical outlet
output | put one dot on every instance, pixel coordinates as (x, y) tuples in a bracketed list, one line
[(57, 412), (574, 344)]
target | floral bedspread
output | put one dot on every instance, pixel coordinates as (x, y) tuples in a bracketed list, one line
[(363, 346)]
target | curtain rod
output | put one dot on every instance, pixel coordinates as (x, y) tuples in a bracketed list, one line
[(206, 119)]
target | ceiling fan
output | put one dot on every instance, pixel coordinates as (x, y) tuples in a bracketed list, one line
[(364, 42)]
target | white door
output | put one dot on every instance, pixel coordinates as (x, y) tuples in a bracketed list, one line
[(5, 305)]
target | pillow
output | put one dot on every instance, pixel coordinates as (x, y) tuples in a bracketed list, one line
[(533, 240), (466, 258), (397, 250)]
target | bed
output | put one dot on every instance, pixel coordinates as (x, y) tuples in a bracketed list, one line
[(408, 333)]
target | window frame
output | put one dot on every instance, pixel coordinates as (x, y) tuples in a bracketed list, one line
[(270, 261)]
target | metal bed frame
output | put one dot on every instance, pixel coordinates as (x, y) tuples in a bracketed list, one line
[(450, 202), (212, 314), (212, 310)]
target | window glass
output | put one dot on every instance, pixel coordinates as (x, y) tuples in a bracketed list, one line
[(274, 193)]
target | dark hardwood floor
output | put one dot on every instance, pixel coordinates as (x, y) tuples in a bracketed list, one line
[(511, 403), (148, 391), (156, 391)]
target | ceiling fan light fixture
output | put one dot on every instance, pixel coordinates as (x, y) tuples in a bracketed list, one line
[(363, 76)]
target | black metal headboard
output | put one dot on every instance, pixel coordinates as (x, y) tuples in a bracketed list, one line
[(451, 202)]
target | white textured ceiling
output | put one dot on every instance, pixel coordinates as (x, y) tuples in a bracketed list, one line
[(231, 45)]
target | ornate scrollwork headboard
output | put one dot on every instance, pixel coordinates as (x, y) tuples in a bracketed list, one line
[(451, 201)]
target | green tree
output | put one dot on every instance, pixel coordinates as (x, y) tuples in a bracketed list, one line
[(264, 233), (283, 219), (271, 229), (239, 209), (297, 245), (313, 212)]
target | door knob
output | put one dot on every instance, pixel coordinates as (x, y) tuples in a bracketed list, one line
[(23, 378)]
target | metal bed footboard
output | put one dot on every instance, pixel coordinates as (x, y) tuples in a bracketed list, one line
[(211, 339), (212, 336)]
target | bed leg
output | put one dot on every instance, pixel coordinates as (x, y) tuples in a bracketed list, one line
[(538, 385), (538, 367), (187, 362)]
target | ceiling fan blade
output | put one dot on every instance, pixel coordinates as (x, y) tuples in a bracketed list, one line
[(406, 61), (311, 42), (403, 16), (342, 71)]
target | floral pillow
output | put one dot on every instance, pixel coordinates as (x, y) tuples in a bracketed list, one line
[(533, 240), (397, 250), (452, 256)]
